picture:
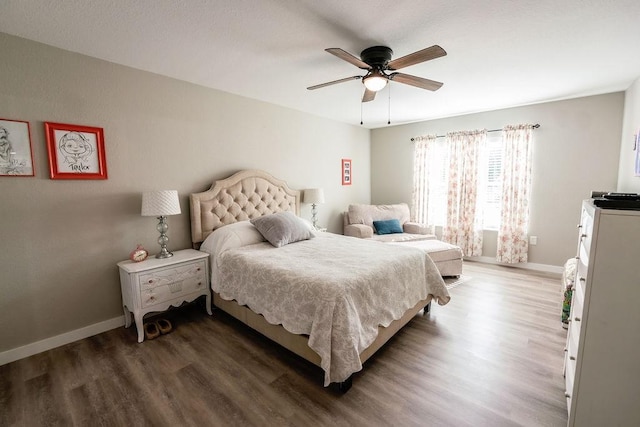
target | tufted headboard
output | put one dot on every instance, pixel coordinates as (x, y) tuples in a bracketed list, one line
[(243, 196)]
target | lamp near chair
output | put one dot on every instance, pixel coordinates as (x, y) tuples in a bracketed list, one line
[(314, 196), (161, 204)]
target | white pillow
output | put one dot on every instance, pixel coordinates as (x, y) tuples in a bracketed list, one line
[(308, 224), (231, 236)]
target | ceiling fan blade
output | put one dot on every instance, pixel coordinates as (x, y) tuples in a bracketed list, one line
[(415, 81), (423, 55), (346, 79), (369, 95), (346, 56)]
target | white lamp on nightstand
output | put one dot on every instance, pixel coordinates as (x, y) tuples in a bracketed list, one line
[(161, 204), (314, 196)]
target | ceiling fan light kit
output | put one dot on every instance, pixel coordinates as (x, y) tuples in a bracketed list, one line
[(376, 60), (375, 80)]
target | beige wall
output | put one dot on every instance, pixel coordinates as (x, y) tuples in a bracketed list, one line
[(576, 150), (627, 181), (60, 240)]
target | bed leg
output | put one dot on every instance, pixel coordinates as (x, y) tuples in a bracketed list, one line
[(345, 385), (427, 308)]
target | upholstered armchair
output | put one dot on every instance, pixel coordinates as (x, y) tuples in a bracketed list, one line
[(359, 222)]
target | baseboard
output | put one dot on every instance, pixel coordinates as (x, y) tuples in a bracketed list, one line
[(524, 265), (59, 340)]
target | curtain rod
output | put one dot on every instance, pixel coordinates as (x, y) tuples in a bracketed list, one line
[(536, 126)]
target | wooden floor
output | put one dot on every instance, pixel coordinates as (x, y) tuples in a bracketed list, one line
[(491, 357)]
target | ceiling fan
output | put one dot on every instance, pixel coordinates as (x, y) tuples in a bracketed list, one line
[(377, 61)]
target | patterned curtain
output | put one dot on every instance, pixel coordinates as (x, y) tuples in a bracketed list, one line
[(423, 153), (513, 242), (464, 217)]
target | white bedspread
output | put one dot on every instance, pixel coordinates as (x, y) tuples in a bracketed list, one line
[(335, 289)]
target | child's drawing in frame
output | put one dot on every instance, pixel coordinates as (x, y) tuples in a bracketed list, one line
[(76, 152), (16, 155)]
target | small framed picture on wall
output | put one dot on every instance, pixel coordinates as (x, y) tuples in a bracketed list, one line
[(16, 156), (636, 147), (347, 172), (76, 152)]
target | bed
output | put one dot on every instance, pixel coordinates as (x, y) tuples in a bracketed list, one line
[(331, 299)]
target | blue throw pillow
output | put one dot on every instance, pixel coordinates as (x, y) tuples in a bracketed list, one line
[(389, 226)]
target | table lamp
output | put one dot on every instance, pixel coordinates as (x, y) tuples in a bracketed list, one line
[(161, 204), (314, 196)]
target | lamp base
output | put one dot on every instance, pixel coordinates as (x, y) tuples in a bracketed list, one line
[(164, 253), (314, 215), (162, 227)]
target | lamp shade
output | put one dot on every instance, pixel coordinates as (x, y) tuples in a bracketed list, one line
[(313, 195), (160, 203)]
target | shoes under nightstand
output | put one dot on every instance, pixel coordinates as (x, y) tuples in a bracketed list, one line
[(154, 285)]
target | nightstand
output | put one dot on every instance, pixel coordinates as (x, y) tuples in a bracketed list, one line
[(154, 285)]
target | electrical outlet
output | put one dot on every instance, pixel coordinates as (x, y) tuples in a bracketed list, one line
[(533, 240)]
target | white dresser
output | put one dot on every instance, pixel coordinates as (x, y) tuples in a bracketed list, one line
[(602, 360), (155, 284)]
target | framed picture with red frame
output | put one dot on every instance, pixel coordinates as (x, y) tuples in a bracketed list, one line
[(75, 152), (347, 172)]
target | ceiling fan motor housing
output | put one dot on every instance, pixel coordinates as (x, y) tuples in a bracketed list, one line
[(377, 56)]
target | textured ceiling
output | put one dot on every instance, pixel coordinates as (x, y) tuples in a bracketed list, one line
[(500, 53)]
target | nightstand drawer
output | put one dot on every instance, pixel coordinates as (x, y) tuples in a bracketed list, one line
[(163, 293), (169, 275), (169, 283)]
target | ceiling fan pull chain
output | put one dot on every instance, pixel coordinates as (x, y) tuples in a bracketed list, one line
[(360, 113), (389, 106)]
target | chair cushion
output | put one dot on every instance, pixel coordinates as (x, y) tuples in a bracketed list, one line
[(403, 237), (366, 214)]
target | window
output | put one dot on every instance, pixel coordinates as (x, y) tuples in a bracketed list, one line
[(491, 189), (489, 193), (437, 200), (489, 186)]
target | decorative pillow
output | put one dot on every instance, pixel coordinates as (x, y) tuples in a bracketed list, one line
[(231, 236), (282, 228), (389, 226)]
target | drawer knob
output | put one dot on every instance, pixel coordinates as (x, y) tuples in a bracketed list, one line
[(151, 298), (583, 235), (577, 319), (572, 358), (150, 280), (199, 283), (565, 349), (198, 269), (582, 279), (566, 394), (579, 225)]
